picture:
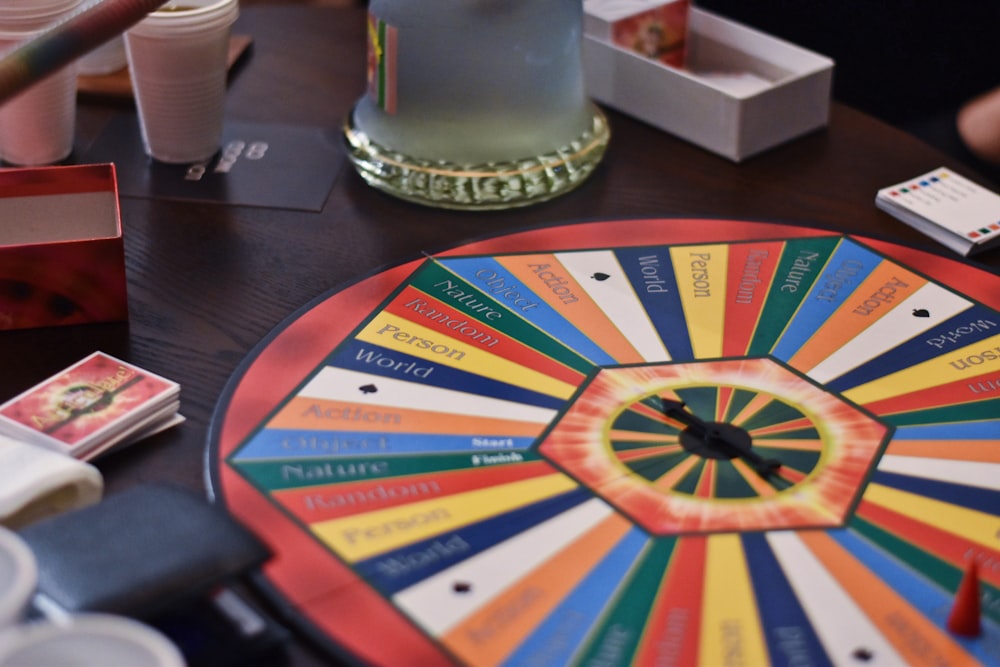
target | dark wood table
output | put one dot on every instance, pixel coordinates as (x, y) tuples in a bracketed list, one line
[(206, 281)]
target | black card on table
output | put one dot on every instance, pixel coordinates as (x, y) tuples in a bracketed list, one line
[(259, 164)]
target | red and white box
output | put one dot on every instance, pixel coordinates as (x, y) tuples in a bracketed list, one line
[(62, 256)]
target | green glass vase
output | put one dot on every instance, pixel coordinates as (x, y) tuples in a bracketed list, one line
[(475, 104)]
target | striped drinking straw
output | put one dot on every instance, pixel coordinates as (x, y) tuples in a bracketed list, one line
[(65, 42)]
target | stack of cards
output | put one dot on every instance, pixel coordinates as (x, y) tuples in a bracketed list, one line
[(949, 208), (656, 29), (97, 403)]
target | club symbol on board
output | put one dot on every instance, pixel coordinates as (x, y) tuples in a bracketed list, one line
[(600, 277), (368, 389), (921, 312)]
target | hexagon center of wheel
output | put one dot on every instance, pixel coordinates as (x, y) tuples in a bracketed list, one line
[(716, 445)]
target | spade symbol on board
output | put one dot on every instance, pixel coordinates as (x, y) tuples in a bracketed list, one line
[(600, 277), (921, 312), (862, 654), (368, 389)]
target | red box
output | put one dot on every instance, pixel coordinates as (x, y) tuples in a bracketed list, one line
[(62, 258), (656, 29)]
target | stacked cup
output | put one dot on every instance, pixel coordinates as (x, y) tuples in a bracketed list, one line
[(178, 64), (36, 126), (18, 577), (86, 639), (105, 59)]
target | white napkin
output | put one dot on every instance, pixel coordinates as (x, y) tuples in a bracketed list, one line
[(36, 483)]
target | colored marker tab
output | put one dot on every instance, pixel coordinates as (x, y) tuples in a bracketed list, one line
[(965, 618)]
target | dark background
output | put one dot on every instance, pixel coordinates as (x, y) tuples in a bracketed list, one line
[(911, 63)]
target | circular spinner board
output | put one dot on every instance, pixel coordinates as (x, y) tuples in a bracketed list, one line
[(633, 442)]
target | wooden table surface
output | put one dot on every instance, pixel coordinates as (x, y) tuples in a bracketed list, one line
[(206, 281)]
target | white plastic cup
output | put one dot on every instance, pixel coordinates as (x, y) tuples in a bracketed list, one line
[(177, 59), (105, 59), (37, 125), (18, 577), (34, 15), (87, 640)]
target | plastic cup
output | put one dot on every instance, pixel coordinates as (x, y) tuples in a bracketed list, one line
[(87, 640), (177, 59), (37, 125), (105, 59), (18, 577), (25, 16)]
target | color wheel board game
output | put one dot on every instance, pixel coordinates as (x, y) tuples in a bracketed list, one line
[(655, 441)]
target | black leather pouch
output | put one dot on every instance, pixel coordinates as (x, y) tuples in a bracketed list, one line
[(138, 552)]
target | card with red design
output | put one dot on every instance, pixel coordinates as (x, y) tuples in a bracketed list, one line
[(657, 29), (659, 33), (97, 403)]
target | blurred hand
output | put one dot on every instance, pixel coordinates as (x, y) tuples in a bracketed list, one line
[(979, 125)]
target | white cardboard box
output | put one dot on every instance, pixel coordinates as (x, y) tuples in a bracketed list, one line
[(742, 91)]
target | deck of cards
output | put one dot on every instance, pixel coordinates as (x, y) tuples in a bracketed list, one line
[(97, 404), (947, 207)]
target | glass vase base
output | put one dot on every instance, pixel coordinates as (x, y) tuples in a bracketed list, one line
[(487, 186)]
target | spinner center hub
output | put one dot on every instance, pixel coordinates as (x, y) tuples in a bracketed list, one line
[(715, 446)]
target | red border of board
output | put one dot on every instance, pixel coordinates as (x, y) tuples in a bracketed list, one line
[(340, 606)]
